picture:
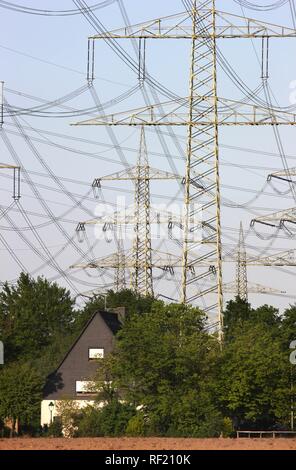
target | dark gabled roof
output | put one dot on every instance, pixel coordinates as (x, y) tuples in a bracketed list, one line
[(111, 320)]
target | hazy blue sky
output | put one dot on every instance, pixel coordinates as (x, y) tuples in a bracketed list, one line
[(45, 57)]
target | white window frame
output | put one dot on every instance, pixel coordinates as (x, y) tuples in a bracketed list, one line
[(92, 354), (85, 387)]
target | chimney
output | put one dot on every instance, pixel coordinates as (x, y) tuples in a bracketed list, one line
[(120, 311)]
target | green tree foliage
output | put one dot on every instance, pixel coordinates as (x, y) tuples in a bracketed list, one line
[(164, 362), (34, 315), (37, 323), (166, 365), (254, 375), (111, 420), (89, 422), (236, 313), (137, 425), (289, 326), (20, 393)]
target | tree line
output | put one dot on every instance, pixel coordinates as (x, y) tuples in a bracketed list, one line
[(168, 374)]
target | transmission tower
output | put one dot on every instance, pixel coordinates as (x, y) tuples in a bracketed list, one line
[(142, 272), (141, 174), (202, 113)]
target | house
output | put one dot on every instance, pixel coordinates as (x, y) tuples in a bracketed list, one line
[(73, 377)]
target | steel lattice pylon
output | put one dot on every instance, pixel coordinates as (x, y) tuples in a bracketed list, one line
[(202, 25), (142, 273), (139, 260), (241, 267), (202, 197)]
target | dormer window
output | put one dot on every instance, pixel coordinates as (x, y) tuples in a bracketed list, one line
[(85, 387), (95, 353)]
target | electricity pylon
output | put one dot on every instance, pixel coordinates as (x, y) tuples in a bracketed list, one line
[(286, 258), (241, 267), (141, 174), (202, 113)]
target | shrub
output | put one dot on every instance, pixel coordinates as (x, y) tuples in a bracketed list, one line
[(115, 417), (228, 429), (89, 423), (136, 425), (54, 429), (68, 410)]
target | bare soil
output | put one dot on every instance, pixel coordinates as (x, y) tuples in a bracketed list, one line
[(126, 443)]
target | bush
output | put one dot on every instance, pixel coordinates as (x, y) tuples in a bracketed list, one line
[(115, 417), (54, 429), (136, 425), (111, 420), (89, 424), (228, 429)]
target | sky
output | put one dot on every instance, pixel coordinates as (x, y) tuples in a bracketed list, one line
[(44, 59)]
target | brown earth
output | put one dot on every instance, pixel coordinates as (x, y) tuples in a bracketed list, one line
[(126, 443)]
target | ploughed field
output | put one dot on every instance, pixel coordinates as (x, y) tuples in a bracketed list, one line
[(151, 443)]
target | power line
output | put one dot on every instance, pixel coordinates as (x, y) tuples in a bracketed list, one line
[(42, 12)]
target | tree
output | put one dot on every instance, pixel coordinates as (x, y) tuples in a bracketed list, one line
[(289, 326), (20, 393), (253, 380), (33, 314), (236, 313), (164, 362), (267, 315)]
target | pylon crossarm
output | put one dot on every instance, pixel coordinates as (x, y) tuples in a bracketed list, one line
[(283, 175), (172, 113), (127, 216), (11, 167), (253, 288), (285, 258), (160, 260), (228, 26), (276, 219), (131, 174)]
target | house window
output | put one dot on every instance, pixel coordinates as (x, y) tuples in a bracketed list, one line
[(95, 353), (85, 387)]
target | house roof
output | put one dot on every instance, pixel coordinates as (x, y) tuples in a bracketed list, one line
[(110, 319)]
